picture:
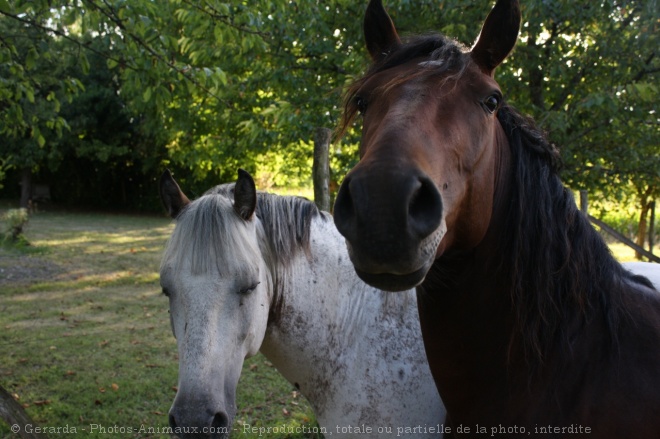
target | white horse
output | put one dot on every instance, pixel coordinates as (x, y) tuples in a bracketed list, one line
[(649, 270), (247, 272)]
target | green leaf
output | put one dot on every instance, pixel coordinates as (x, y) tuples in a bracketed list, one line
[(146, 96), (221, 75), (31, 58), (84, 63), (29, 94)]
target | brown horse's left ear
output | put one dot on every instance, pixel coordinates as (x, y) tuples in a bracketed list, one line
[(498, 35), (379, 31), (171, 195), (245, 195)]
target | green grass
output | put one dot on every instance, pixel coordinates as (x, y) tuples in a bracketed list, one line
[(85, 337)]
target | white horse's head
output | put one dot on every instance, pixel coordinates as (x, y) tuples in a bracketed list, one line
[(218, 286)]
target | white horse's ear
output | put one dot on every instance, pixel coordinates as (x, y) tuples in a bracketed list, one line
[(245, 195), (379, 31), (171, 195), (498, 35)]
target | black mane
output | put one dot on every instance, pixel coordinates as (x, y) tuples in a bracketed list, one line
[(561, 271)]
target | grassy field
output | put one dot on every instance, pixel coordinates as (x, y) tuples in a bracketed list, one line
[(85, 341)]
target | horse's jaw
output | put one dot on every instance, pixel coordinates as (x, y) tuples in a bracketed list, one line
[(400, 274)]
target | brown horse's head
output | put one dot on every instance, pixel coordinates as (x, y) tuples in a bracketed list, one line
[(429, 151), (428, 155)]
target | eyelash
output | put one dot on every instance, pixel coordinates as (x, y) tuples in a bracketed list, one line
[(249, 289), (244, 291)]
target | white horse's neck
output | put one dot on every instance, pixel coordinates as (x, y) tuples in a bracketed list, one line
[(339, 340)]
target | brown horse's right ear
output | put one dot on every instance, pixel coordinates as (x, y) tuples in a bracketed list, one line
[(498, 35), (379, 31), (170, 194)]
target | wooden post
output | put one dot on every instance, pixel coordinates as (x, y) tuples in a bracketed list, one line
[(321, 168), (652, 226), (26, 187), (584, 201), (12, 413)]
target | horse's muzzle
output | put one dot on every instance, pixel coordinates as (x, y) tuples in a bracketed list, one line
[(389, 219), (191, 424)]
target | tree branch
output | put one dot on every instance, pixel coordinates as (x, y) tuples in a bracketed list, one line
[(111, 14), (64, 36), (225, 19)]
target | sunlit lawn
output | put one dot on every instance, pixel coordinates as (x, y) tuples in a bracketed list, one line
[(84, 332)]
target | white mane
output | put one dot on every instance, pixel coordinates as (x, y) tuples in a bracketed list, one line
[(207, 239), (209, 236)]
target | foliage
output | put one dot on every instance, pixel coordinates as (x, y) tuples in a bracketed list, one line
[(206, 87), (593, 93), (15, 220), (34, 85)]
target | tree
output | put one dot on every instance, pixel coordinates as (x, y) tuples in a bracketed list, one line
[(211, 86), (34, 84), (591, 80)]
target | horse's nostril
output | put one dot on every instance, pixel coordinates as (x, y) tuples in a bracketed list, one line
[(172, 421), (343, 208), (425, 208), (220, 420), (220, 425)]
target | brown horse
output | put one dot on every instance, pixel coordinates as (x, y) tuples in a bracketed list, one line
[(531, 328)]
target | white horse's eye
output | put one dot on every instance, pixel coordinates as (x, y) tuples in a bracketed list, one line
[(249, 289)]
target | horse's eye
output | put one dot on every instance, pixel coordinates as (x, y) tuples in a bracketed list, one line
[(249, 289), (492, 103), (361, 104)]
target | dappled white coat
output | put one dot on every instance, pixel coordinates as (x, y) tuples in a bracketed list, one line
[(355, 352), (649, 270)]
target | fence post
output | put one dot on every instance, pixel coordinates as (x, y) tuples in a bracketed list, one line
[(652, 226), (321, 167), (584, 201)]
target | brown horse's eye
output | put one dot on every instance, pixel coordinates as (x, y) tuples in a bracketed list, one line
[(361, 104), (491, 103)]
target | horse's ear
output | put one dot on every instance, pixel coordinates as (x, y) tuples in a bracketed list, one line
[(245, 195), (498, 35), (170, 194), (379, 31)]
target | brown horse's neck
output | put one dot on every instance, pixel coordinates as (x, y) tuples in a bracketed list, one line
[(466, 312), (518, 337)]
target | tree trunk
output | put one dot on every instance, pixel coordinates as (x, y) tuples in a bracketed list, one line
[(641, 230), (645, 205), (321, 168), (15, 416), (26, 187), (652, 226)]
